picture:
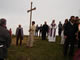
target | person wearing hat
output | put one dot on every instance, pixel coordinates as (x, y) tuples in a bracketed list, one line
[(5, 39)]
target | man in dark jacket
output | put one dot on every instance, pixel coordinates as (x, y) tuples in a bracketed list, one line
[(45, 29), (5, 39), (69, 34), (59, 28), (19, 35)]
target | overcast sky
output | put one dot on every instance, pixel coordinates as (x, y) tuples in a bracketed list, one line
[(15, 11)]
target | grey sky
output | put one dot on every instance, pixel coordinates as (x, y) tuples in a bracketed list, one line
[(15, 11)]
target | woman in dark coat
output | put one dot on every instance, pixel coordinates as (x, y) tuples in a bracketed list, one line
[(5, 39)]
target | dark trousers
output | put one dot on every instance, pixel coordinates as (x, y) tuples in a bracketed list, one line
[(17, 39), (59, 32), (43, 36), (69, 44), (1, 59)]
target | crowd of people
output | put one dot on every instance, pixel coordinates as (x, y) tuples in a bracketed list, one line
[(69, 33)]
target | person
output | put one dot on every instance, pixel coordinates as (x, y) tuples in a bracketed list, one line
[(62, 37), (45, 29), (62, 34), (69, 35), (40, 30), (31, 36), (77, 52), (36, 30), (5, 39), (10, 31), (59, 28), (19, 35), (52, 32), (79, 35), (65, 23)]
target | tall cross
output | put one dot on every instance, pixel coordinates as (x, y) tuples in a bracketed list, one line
[(31, 9), (30, 34)]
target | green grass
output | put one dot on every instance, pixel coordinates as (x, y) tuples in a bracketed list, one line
[(42, 50)]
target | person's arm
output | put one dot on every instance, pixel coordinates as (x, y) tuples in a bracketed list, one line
[(16, 31), (22, 33), (8, 39), (65, 31)]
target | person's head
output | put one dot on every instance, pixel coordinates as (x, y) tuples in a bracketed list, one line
[(33, 22), (72, 18), (45, 22), (66, 21), (76, 20), (19, 25), (77, 17), (53, 21), (59, 22), (3, 22), (10, 29)]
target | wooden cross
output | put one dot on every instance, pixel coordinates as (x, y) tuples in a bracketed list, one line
[(31, 9), (30, 34)]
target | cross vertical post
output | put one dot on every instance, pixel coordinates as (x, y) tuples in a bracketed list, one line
[(29, 42), (30, 16), (31, 9)]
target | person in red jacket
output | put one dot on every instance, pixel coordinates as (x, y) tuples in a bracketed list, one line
[(10, 32)]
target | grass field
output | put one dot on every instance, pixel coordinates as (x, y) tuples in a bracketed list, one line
[(42, 50)]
